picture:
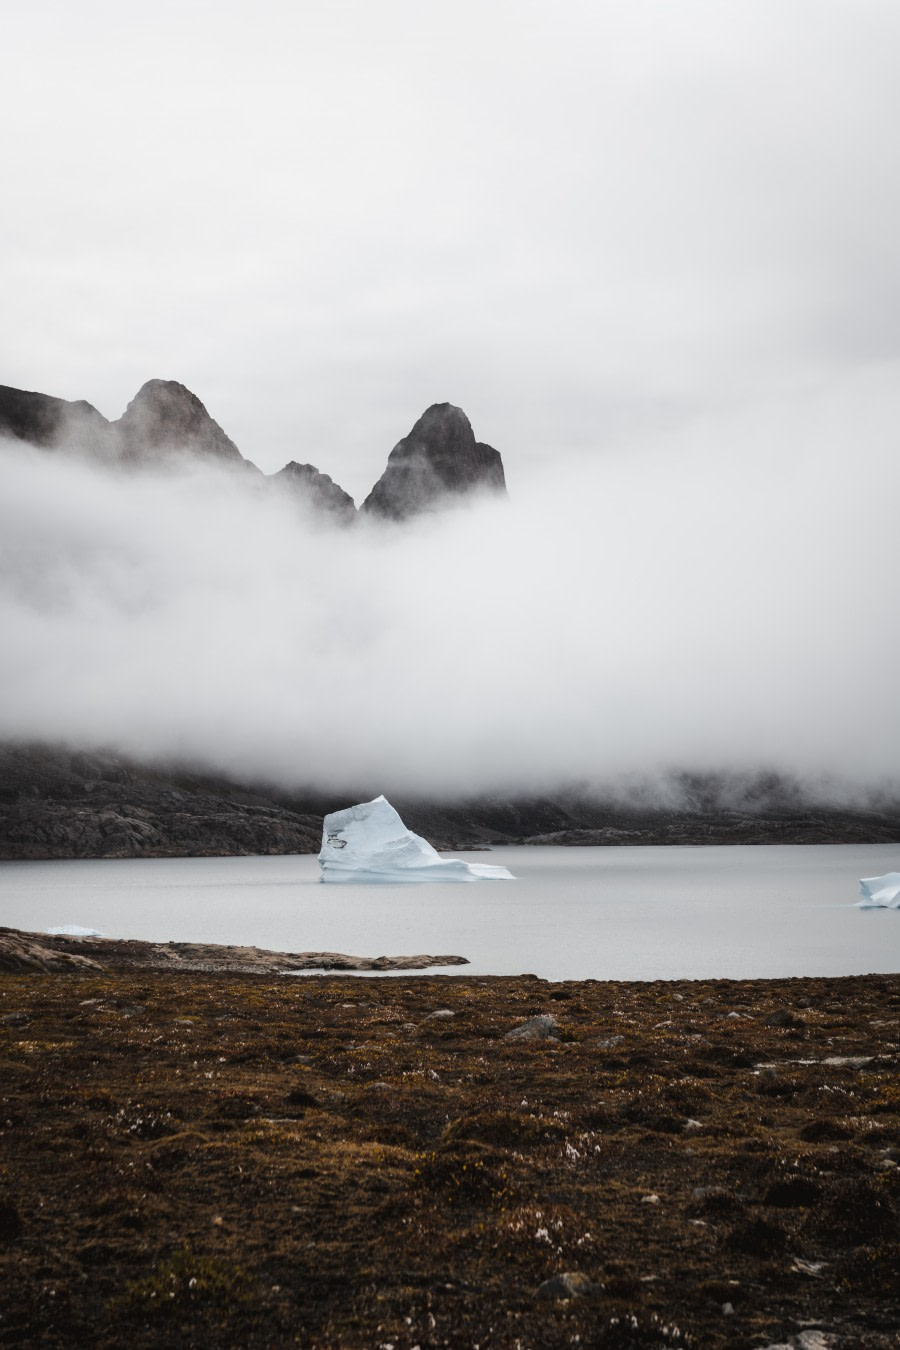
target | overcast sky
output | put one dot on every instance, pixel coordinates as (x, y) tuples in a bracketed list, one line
[(586, 222)]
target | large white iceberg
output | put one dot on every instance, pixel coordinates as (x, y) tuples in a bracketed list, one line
[(370, 843), (880, 892)]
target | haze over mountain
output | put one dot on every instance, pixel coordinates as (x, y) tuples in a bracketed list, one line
[(438, 462), (699, 630), (715, 601)]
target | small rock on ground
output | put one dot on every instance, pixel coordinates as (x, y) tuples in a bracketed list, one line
[(535, 1029), (570, 1284)]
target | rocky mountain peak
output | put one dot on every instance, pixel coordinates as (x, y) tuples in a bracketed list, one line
[(41, 419), (316, 489), (439, 460), (164, 417)]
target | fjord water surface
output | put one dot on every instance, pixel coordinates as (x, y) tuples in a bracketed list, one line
[(573, 913)]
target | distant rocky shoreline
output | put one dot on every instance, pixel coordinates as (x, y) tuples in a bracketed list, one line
[(58, 803), (45, 953)]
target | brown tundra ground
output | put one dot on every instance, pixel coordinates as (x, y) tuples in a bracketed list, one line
[(234, 1160)]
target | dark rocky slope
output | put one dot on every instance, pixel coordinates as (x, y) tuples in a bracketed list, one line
[(317, 490), (40, 419), (165, 418), (58, 804), (163, 421), (438, 461)]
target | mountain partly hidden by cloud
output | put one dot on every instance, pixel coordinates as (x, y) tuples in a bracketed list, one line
[(720, 598)]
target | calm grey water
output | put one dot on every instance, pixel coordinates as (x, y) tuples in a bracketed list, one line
[(605, 913)]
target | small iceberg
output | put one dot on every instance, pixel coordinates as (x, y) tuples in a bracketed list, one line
[(880, 892), (370, 843), (72, 930)]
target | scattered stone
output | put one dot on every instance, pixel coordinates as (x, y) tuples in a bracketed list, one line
[(570, 1284), (812, 1268), (813, 1340), (609, 1041), (783, 1017), (438, 1013), (540, 1028)]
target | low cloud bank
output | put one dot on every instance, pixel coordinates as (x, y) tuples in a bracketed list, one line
[(722, 598)]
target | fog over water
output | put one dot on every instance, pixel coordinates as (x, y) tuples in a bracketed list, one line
[(721, 597)]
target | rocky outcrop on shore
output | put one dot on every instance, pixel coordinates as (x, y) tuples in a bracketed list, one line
[(438, 462), (23, 953), (27, 953), (58, 803)]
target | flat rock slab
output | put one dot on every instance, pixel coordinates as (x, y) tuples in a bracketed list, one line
[(21, 951), (542, 1028), (25, 953)]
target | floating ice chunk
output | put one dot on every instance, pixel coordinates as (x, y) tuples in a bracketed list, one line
[(72, 930), (880, 892), (370, 843)]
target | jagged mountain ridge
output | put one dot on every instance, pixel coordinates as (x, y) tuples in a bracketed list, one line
[(438, 462)]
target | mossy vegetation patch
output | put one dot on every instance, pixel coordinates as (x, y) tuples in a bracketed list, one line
[(212, 1160)]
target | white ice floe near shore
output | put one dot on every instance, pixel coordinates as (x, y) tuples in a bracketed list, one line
[(880, 892), (72, 930), (370, 843)]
